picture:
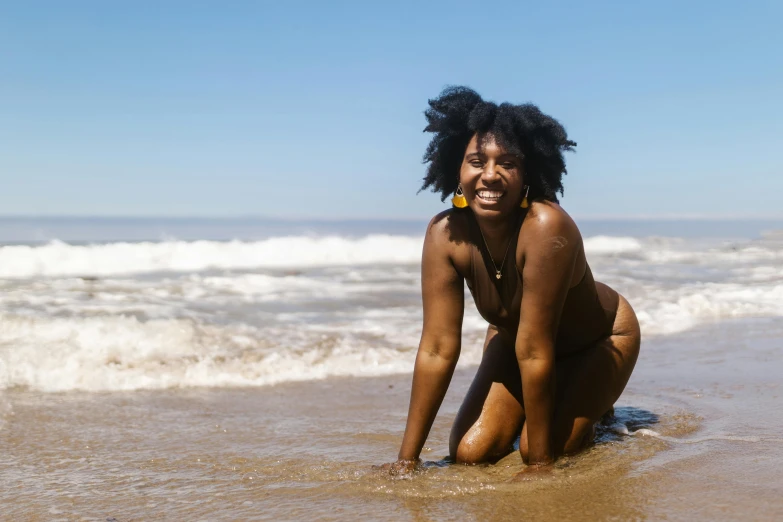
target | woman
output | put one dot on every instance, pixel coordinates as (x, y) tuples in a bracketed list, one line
[(560, 347)]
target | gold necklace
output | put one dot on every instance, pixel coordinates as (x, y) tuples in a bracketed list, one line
[(498, 273)]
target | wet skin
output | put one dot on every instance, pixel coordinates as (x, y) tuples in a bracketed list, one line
[(529, 385)]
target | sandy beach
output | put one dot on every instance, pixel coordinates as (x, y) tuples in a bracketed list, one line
[(197, 380), (703, 412), (215, 217)]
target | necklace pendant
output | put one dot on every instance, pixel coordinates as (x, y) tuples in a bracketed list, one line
[(498, 275)]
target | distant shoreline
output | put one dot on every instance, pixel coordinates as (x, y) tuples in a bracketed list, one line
[(42, 229), (329, 219)]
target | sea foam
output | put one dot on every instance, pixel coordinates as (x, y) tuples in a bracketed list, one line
[(122, 353), (57, 258), (60, 259), (127, 316)]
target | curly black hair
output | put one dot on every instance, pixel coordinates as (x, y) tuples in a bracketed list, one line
[(459, 113)]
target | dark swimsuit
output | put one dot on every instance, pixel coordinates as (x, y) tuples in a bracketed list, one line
[(583, 321)]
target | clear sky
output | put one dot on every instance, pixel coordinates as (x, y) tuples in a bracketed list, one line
[(314, 109)]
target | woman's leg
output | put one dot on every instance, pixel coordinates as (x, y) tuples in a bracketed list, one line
[(590, 382), (491, 416)]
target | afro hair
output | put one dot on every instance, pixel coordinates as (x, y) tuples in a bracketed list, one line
[(459, 113)]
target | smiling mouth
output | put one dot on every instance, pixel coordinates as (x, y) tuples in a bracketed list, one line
[(489, 196)]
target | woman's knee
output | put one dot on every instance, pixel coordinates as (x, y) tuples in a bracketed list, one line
[(468, 452), (580, 439), (574, 440), (477, 448)]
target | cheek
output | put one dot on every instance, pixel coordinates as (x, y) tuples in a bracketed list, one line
[(518, 181), (515, 189), (468, 174), (463, 173)]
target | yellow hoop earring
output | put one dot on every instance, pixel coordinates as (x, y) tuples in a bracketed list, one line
[(459, 200), (524, 200)]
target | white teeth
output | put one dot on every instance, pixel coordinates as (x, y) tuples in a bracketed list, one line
[(489, 194)]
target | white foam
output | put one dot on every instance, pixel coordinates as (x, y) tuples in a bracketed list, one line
[(358, 313), (621, 429), (604, 245), (60, 259), (716, 256), (667, 311), (124, 353), (645, 432)]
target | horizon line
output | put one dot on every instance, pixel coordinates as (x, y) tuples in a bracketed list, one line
[(257, 217)]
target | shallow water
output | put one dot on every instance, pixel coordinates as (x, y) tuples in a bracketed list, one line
[(160, 315), (263, 378), (289, 452), (704, 443)]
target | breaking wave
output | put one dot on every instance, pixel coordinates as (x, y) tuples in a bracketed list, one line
[(128, 316)]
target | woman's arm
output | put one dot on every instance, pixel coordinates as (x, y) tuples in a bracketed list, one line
[(551, 247), (444, 303)]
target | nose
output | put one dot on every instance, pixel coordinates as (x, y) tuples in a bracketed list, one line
[(490, 173)]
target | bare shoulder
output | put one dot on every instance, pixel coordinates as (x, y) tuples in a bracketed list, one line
[(447, 228), (447, 235), (546, 218), (547, 229)]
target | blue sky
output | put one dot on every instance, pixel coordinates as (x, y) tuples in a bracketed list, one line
[(314, 109)]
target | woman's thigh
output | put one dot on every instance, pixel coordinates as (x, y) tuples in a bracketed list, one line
[(491, 417), (590, 382)]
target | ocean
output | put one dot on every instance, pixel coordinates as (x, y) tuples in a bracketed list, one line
[(224, 369)]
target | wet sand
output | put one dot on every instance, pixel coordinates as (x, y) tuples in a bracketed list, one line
[(305, 450)]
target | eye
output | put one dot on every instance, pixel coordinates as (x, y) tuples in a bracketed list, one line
[(476, 163), (509, 166)]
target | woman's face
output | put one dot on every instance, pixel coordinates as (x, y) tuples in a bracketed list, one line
[(491, 179)]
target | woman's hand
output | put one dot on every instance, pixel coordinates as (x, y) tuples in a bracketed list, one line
[(534, 472), (400, 468)]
